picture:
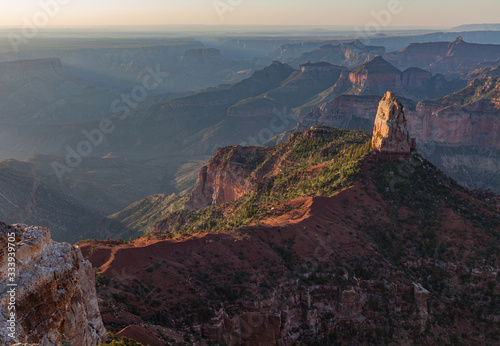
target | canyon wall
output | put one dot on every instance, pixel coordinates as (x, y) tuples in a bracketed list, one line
[(224, 178)]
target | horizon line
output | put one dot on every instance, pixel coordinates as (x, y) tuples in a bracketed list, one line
[(240, 25)]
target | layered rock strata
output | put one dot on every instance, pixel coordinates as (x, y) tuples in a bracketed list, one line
[(53, 290), (390, 134)]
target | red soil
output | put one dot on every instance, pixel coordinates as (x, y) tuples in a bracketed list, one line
[(329, 231)]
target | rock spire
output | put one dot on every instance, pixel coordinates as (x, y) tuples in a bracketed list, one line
[(390, 134)]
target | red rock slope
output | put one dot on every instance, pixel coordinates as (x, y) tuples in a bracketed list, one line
[(401, 255), (321, 268)]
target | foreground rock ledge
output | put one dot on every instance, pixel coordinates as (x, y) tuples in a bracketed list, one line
[(56, 300)]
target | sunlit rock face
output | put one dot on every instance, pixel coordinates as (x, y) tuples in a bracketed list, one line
[(390, 134), (55, 296)]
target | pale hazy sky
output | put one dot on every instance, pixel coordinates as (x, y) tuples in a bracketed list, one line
[(252, 12)]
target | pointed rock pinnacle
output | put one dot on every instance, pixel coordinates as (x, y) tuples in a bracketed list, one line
[(390, 134)]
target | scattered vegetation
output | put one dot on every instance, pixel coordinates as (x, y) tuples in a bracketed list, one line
[(319, 162), (112, 340), (412, 241)]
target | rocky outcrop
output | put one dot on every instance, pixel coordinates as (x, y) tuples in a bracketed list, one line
[(378, 75), (224, 178), (421, 296), (469, 117), (375, 77), (493, 71), (390, 134), (475, 124), (236, 171), (55, 296), (456, 132), (459, 133)]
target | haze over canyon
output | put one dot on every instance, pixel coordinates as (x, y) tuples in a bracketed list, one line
[(258, 185)]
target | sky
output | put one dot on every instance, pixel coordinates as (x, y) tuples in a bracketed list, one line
[(421, 13)]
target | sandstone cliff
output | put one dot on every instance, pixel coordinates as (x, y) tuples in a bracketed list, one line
[(460, 133), (378, 75), (457, 132), (56, 300), (493, 71), (375, 77), (390, 134), (467, 117), (224, 178), (236, 171)]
